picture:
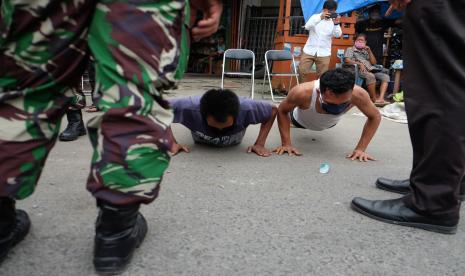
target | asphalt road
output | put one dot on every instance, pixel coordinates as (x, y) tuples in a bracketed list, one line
[(225, 212)]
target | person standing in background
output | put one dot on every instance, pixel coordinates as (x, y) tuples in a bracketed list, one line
[(374, 27), (434, 39), (322, 28)]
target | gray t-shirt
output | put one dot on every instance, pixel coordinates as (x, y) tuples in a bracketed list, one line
[(187, 112)]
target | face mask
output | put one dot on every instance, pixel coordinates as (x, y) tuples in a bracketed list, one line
[(360, 45), (334, 109), (219, 132)]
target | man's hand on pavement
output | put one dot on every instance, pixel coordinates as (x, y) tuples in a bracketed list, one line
[(177, 148), (360, 155), (259, 150), (212, 10), (289, 149)]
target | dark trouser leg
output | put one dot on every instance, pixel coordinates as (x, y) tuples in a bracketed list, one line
[(435, 99), (434, 103), (462, 186)]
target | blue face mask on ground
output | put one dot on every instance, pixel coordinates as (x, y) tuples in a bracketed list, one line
[(334, 109)]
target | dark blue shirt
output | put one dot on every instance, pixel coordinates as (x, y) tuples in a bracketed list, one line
[(187, 112)]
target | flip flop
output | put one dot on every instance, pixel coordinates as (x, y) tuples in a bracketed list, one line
[(381, 104), (91, 108)]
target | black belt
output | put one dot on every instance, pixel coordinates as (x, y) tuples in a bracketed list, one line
[(294, 121)]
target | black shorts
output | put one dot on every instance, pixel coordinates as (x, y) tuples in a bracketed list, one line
[(294, 121)]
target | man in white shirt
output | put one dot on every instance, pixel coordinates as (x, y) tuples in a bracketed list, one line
[(322, 27), (320, 104)]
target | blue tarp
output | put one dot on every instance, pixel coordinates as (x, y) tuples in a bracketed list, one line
[(310, 7)]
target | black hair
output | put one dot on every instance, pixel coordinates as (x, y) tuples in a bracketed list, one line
[(339, 81), (361, 35), (330, 5), (220, 104)]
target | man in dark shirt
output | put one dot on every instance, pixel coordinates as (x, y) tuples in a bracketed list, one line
[(374, 28), (220, 118)]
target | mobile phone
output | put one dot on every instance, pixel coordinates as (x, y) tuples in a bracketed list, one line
[(333, 15)]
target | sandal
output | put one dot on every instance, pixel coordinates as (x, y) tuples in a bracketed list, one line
[(91, 108), (381, 104)]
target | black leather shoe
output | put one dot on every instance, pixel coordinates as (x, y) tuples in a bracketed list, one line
[(119, 231), (396, 186), (399, 186), (14, 226), (394, 211), (75, 126)]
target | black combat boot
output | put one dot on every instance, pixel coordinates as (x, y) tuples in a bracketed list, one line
[(75, 126), (14, 226), (119, 230)]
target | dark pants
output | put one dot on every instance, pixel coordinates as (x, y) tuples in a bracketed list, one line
[(294, 121), (434, 62)]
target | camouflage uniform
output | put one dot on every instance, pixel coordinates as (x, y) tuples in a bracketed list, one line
[(43, 52)]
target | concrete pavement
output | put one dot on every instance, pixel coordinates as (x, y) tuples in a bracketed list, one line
[(225, 212)]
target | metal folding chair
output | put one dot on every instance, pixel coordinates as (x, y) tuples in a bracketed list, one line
[(239, 54), (279, 55)]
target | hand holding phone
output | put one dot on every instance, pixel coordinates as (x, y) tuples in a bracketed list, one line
[(333, 15), (337, 19), (325, 14)]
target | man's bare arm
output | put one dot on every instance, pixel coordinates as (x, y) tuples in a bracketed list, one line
[(295, 98), (259, 146), (361, 100)]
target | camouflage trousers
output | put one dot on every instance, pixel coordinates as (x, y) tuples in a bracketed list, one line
[(44, 48)]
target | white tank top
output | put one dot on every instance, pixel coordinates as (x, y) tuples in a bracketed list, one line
[(311, 119)]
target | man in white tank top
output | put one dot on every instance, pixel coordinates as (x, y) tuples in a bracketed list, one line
[(320, 104)]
